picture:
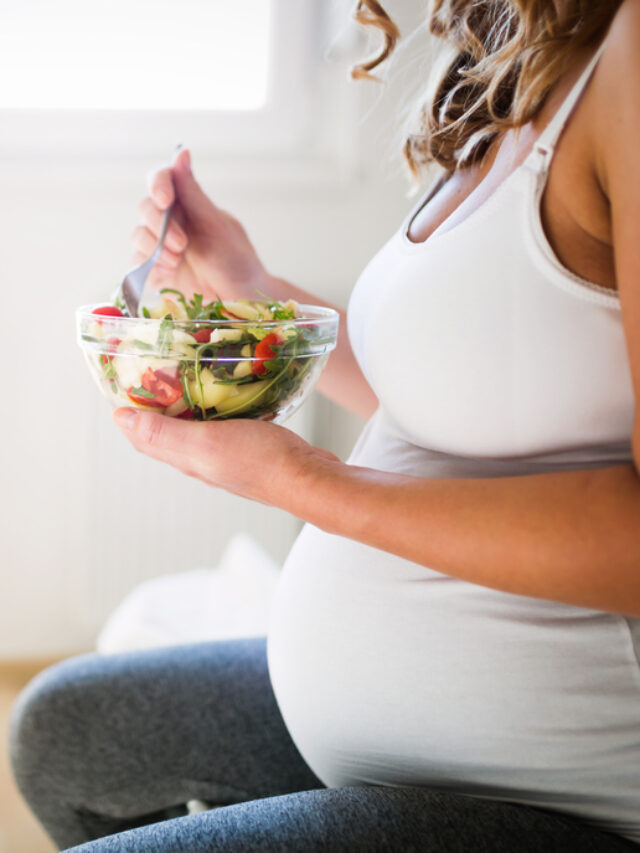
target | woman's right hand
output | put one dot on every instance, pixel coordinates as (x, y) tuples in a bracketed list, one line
[(206, 249)]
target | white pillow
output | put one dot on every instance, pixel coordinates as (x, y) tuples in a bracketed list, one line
[(232, 600)]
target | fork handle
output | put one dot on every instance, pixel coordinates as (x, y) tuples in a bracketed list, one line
[(166, 217)]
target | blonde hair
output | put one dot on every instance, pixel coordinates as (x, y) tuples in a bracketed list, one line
[(505, 57)]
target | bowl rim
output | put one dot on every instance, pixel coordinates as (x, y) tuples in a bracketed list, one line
[(319, 314)]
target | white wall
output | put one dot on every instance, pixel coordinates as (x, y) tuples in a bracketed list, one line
[(83, 518)]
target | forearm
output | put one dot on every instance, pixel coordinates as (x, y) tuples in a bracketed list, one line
[(342, 380), (567, 536)]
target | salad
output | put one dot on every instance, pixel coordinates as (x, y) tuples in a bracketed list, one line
[(204, 361)]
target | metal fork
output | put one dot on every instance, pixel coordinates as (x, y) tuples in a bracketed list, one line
[(133, 283)]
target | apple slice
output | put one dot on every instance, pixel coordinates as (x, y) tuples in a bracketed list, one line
[(242, 398), (212, 392)]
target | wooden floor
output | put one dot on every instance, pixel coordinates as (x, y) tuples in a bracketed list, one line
[(19, 831)]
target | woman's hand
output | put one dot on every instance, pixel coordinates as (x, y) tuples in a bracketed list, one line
[(254, 459), (206, 250)]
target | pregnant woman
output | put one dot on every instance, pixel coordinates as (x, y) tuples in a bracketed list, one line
[(453, 661)]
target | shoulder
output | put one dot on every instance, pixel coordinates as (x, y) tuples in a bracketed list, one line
[(617, 77), (626, 21), (616, 123), (615, 95)]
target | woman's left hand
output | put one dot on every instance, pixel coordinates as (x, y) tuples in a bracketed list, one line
[(255, 459)]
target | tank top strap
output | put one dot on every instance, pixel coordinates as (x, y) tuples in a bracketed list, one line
[(540, 156)]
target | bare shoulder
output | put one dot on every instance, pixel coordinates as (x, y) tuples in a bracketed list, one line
[(616, 123), (618, 73), (615, 95), (626, 22)]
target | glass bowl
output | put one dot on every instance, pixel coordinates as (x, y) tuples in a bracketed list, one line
[(208, 369)]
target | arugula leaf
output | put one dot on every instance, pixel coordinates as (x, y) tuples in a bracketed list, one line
[(108, 368), (142, 392), (186, 391), (280, 312), (195, 309), (180, 296), (165, 335)]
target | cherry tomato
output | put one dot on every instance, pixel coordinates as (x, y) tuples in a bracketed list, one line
[(263, 352), (164, 384), (112, 347), (187, 415), (203, 336), (108, 311), (149, 402)]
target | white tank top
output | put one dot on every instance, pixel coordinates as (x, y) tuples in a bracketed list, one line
[(489, 359)]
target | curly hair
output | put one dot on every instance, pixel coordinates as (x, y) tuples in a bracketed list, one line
[(506, 56)]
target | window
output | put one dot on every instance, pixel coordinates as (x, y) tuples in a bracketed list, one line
[(142, 55), (128, 79)]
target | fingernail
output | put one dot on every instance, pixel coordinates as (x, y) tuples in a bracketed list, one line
[(125, 418), (162, 196)]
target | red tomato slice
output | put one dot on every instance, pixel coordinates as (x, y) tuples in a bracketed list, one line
[(164, 384), (187, 415), (263, 352), (148, 380), (226, 313), (203, 336), (170, 375), (166, 394), (108, 311), (144, 401)]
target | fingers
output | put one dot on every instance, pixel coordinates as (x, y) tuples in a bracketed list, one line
[(151, 216), (152, 434), (193, 199), (254, 459), (181, 162), (161, 188), (158, 436), (169, 440), (161, 180), (144, 241), (177, 181), (159, 276)]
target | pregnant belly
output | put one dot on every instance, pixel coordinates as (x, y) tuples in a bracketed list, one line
[(389, 673)]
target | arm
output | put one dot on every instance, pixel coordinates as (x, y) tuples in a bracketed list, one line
[(567, 536), (342, 380)]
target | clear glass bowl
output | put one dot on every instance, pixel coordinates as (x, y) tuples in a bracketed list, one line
[(208, 370)]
